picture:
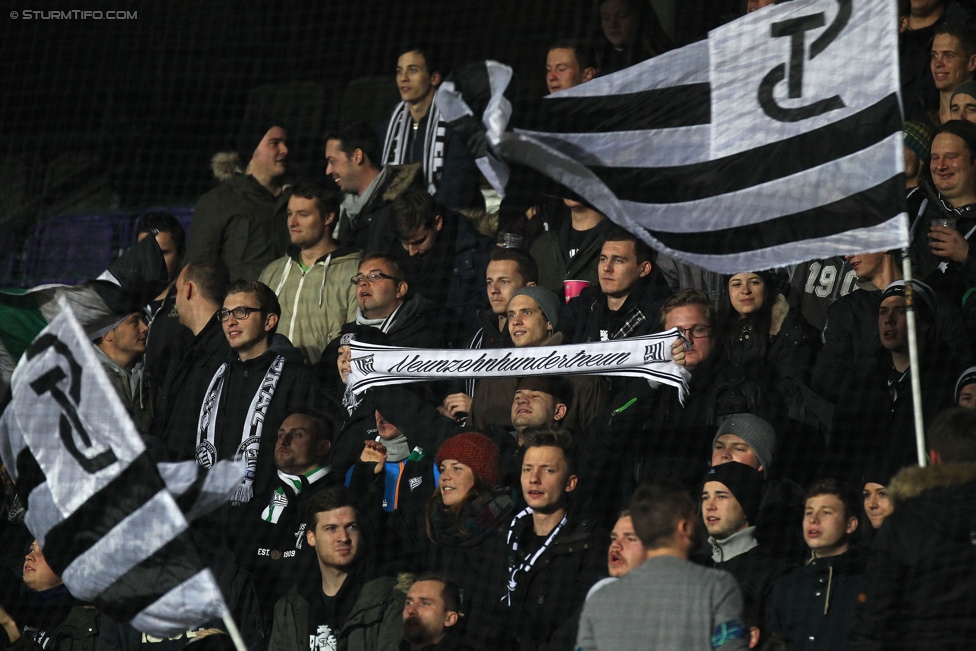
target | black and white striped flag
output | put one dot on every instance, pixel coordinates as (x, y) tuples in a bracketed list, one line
[(112, 525), (776, 140)]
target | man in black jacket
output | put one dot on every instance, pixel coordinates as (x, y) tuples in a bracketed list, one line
[(628, 298)]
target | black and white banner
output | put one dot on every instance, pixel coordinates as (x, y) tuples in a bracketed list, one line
[(108, 520), (773, 142), (648, 357)]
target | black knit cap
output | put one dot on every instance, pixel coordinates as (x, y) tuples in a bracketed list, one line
[(252, 131), (744, 482)]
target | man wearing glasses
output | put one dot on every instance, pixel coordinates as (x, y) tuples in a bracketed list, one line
[(385, 303), (251, 392), (677, 437)]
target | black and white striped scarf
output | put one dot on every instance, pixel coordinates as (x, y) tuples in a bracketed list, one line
[(514, 567), (250, 444), (395, 146)]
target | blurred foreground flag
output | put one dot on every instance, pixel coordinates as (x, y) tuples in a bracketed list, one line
[(775, 141), (107, 519)]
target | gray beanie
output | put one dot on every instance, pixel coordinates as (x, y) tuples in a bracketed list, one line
[(546, 300), (753, 430)]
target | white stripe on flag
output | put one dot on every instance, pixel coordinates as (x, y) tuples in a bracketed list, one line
[(134, 539), (43, 514), (641, 148), (219, 483), (169, 614), (881, 237), (809, 189)]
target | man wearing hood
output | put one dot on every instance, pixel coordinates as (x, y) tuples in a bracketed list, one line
[(312, 280), (242, 220)]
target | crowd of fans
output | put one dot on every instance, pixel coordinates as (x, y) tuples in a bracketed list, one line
[(554, 512)]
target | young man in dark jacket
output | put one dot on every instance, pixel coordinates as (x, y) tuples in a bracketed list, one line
[(343, 605), (812, 607)]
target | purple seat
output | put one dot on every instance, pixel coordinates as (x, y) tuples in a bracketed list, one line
[(73, 248)]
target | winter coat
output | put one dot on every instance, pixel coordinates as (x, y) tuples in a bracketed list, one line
[(314, 303), (921, 577), (177, 409), (875, 423), (756, 571), (545, 605), (241, 223), (812, 607), (851, 339), (372, 228), (548, 248), (375, 622), (587, 317), (416, 325), (131, 390), (63, 623)]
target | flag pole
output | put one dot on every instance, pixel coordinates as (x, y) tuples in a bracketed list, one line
[(906, 264), (235, 634)]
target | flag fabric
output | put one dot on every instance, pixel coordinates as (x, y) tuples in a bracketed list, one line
[(129, 283), (775, 141), (105, 516), (648, 357)]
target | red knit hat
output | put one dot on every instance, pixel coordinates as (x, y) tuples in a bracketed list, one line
[(477, 452)]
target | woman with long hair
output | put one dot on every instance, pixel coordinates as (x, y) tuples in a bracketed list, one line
[(466, 520), (766, 338)]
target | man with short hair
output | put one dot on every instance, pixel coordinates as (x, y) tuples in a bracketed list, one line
[(730, 499), (874, 423), (569, 62), (555, 552), (352, 156), (626, 551), (120, 351), (312, 280), (431, 612), (271, 545), (166, 336), (383, 303), (953, 62), (248, 396), (200, 288), (667, 602), (342, 605), (627, 299), (443, 256), (508, 271), (812, 607), (242, 220), (921, 575), (683, 432), (418, 134)]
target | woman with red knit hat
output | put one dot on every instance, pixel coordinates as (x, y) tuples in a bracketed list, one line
[(466, 521)]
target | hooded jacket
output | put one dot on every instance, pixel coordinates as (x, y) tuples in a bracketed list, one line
[(241, 223), (314, 303), (587, 317), (921, 577), (365, 221), (548, 250)]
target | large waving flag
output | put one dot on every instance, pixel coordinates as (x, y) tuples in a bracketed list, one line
[(776, 140), (108, 520), (125, 287)]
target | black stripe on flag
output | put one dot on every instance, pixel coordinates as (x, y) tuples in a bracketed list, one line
[(755, 166), (661, 108), (823, 221), (91, 521), (171, 565)]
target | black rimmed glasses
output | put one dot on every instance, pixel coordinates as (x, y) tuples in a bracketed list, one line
[(240, 313)]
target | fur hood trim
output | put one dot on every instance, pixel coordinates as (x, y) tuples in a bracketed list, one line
[(403, 176), (226, 164), (912, 482), (484, 222)]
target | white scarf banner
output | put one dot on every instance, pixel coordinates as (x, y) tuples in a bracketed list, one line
[(648, 357)]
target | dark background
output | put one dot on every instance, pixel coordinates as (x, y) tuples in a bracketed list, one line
[(99, 115)]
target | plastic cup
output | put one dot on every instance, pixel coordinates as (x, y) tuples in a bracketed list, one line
[(509, 240), (948, 222), (572, 288)]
